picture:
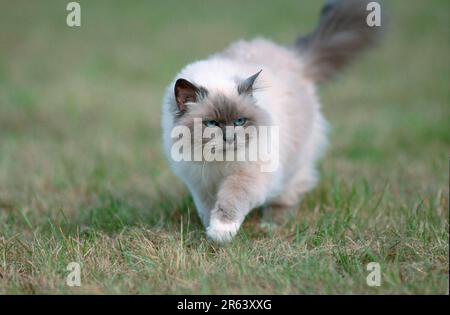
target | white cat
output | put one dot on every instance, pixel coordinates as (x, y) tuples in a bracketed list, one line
[(259, 83)]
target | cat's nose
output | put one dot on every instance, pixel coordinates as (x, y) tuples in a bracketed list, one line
[(228, 137)]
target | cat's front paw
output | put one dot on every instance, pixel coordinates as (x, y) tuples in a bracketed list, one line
[(221, 231)]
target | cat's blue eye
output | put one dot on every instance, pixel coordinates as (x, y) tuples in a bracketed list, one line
[(240, 121), (211, 123)]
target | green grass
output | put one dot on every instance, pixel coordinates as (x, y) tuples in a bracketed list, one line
[(83, 177)]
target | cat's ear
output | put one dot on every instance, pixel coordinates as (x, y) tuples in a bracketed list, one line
[(246, 86), (185, 92)]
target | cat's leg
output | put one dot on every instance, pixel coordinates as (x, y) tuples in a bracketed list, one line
[(236, 197), (283, 208), (277, 213), (204, 201)]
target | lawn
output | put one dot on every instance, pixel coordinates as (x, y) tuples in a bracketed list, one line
[(83, 177)]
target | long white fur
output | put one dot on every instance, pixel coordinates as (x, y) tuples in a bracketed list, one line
[(284, 91)]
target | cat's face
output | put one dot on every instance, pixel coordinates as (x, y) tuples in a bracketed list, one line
[(227, 122)]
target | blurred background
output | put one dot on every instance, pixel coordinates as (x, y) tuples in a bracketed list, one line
[(80, 107)]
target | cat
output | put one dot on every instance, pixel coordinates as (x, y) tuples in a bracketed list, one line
[(259, 83)]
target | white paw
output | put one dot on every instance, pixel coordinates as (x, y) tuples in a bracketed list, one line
[(222, 232)]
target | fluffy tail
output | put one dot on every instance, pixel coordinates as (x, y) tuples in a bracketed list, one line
[(341, 35)]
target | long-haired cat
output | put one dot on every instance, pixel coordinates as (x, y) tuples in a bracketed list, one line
[(252, 84)]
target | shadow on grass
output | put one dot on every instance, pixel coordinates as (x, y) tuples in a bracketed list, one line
[(113, 213)]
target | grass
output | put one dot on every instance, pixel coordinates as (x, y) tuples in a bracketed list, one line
[(83, 177)]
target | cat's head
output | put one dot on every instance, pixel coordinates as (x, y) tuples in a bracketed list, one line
[(229, 122)]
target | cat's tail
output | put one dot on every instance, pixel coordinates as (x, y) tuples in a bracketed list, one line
[(343, 32)]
